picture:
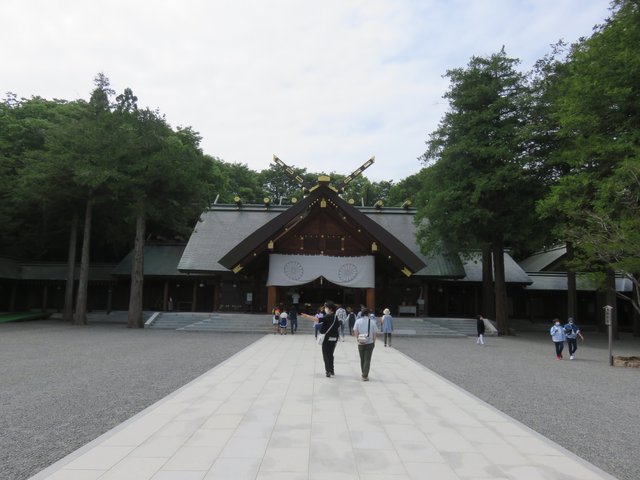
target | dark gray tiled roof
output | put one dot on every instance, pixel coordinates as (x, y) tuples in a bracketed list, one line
[(220, 230), (159, 260), (400, 223), (540, 261), (224, 226)]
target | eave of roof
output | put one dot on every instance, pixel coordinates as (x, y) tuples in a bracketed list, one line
[(553, 281), (540, 261), (512, 271), (256, 240)]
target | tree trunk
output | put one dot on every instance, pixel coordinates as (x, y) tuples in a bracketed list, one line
[(67, 313), (137, 276), (501, 289), (80, 317), (488, 297), (572, 296), (635, 303)]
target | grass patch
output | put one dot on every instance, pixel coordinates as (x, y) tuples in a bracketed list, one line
[(23, 316)]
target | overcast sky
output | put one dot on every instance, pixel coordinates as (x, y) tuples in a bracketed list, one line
[(322, 84)]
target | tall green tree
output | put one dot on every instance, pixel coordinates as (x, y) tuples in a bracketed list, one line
[(406, 189), (478, 194), (87, 149), (167, 182), (277, 183), (598, 114)]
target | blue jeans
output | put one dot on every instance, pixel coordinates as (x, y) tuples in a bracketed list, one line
[(572, 343), (294, 325)]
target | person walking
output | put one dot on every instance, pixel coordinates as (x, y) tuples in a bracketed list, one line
[(283, 322), (387, 326), (276, 318), (330, 327), (341, 315), (318, 321), (557, 335), (293, 319), (480, 327), (572, 332), (351, 318), (365, 331)]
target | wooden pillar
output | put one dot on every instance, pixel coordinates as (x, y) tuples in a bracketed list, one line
[(216, 295), (271, 298), (427, 299), (445, 291), (45, 297), (12, 302), (476, 299), (194, 297), (371, 299), (165, 296), (109, 299)]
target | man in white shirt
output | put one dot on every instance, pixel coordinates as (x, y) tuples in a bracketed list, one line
[(365, 331)]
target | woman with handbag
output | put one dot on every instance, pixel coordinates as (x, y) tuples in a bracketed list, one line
[(328, 335)]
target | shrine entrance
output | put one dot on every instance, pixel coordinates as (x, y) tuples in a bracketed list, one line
[(313, 295)]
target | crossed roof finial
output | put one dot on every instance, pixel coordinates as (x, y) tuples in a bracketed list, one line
[(289, 171)]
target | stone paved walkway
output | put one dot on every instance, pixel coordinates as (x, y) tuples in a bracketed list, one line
[(270, 413)]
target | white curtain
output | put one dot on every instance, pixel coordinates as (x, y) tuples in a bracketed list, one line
[(286, 270)]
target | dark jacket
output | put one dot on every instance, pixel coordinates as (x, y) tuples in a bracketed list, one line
[(480, 326), (327, 321)]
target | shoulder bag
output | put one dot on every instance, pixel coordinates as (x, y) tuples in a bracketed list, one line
[(321, 336)]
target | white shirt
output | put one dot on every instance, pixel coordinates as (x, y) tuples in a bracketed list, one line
[(362, 325)]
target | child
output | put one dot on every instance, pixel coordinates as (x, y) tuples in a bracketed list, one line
[(480, 327), (572, 332), (283, 323), (557, 335), (276, 318)]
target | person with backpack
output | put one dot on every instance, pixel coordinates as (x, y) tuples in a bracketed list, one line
[(571, 333), (365, 331), (283, 322)]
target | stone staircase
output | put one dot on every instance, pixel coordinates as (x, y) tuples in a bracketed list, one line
[(259, 323)]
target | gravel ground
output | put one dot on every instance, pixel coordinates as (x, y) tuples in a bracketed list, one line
[(584, 405), (63, 386)]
